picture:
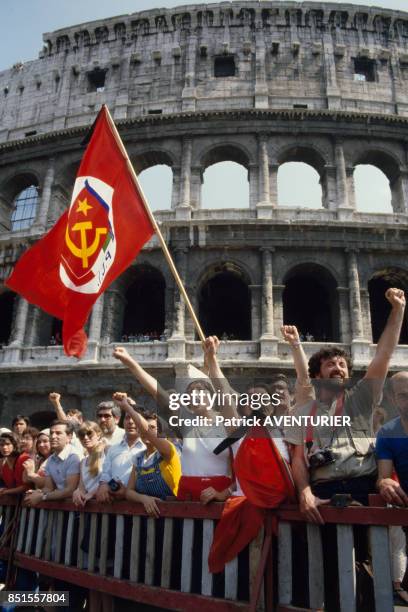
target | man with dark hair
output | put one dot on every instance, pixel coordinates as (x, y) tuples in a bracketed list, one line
[(62, 469), (339, 460), (108, 417), (326, 353)]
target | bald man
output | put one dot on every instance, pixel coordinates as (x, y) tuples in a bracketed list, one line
[(392, 447)]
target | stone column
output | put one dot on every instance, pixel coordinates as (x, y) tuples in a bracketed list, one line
[(16, 342), (253, 177), (344, 312), (365, 308), (269, 343), (177, 341), (33, 332), (255, 311), (95, 326), (263, 163), (95, 330), (355, 301), (41, 220), (278, 305), (261, 87), (273, 184), (341, 177), (188, 96), (20, 321), (184, 208)]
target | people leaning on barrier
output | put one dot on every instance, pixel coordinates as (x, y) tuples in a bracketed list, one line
[(34, 469), (118, 463), (90, 436), (392, 457), (12, 467), (62, 469), (156, 472), (202, 471), (340, 460), (108, 417)]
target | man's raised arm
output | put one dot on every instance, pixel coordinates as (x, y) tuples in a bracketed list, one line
[(149, 383), (378, 368)]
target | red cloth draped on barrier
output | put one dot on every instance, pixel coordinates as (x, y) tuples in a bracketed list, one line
[(266, 480)]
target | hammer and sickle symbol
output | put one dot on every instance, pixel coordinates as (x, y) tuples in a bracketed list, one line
[(84, 251)]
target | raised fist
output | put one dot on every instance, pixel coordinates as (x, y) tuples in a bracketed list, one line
[(290, 333), (54, 397), (211, 345), (396, 297), (121, 353)]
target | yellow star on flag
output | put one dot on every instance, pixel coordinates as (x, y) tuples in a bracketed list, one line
[(83, 207)]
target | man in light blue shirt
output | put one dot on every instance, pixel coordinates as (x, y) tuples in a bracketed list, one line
[(119, 461), (62, 468)]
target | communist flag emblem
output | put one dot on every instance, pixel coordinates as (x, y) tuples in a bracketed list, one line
[(89, 246)]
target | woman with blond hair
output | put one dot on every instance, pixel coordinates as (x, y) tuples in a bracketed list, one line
[(90, 436)]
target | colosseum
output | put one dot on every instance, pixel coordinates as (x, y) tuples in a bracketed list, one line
[(261, 84)]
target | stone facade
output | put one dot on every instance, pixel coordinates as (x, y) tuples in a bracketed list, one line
[(320, 83)]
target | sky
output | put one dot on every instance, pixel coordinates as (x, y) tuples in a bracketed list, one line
[(24, 21)]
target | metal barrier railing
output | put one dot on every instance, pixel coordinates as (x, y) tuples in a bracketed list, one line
[(118, 549)]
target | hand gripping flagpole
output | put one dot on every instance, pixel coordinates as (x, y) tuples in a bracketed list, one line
[(156, 228)]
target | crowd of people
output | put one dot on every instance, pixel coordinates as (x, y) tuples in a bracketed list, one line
[(147, 462)]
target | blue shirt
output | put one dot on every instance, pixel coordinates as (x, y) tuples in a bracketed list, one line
[(392, 443), (66, 463)]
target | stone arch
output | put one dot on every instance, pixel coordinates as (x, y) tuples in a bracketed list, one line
[(389, 165), (227, 151), (7, 306), (381, 280), (235, 168), (10, 191), (224, 301), (310, 156), (310, 301), (144, 310), (157, 182), (119, 30)]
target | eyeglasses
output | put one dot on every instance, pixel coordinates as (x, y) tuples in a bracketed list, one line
[(86, 434)]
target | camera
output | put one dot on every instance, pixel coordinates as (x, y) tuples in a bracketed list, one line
[(320, 458), (114, 485)]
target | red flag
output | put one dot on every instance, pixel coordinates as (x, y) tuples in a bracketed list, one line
[(91, 244), (266, 481)]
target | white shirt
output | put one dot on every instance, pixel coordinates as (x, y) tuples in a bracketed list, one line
[(115, 438), (90, 482), (198, 459), (119, 461)]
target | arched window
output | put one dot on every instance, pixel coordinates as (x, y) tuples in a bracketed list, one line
[(225, 185), (372, 189), (24, 208), (379, 305), (310, 302), (157, 185), (225, 306), (6, 316), (299, 185), (145, 307)]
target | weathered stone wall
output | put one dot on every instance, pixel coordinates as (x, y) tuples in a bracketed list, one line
[(286, 54)]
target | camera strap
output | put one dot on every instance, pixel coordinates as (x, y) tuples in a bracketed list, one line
[(313, 412)]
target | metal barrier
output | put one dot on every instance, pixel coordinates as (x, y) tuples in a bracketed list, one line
[(118, 549)]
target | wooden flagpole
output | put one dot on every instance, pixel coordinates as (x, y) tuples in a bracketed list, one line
[(156, 228)]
